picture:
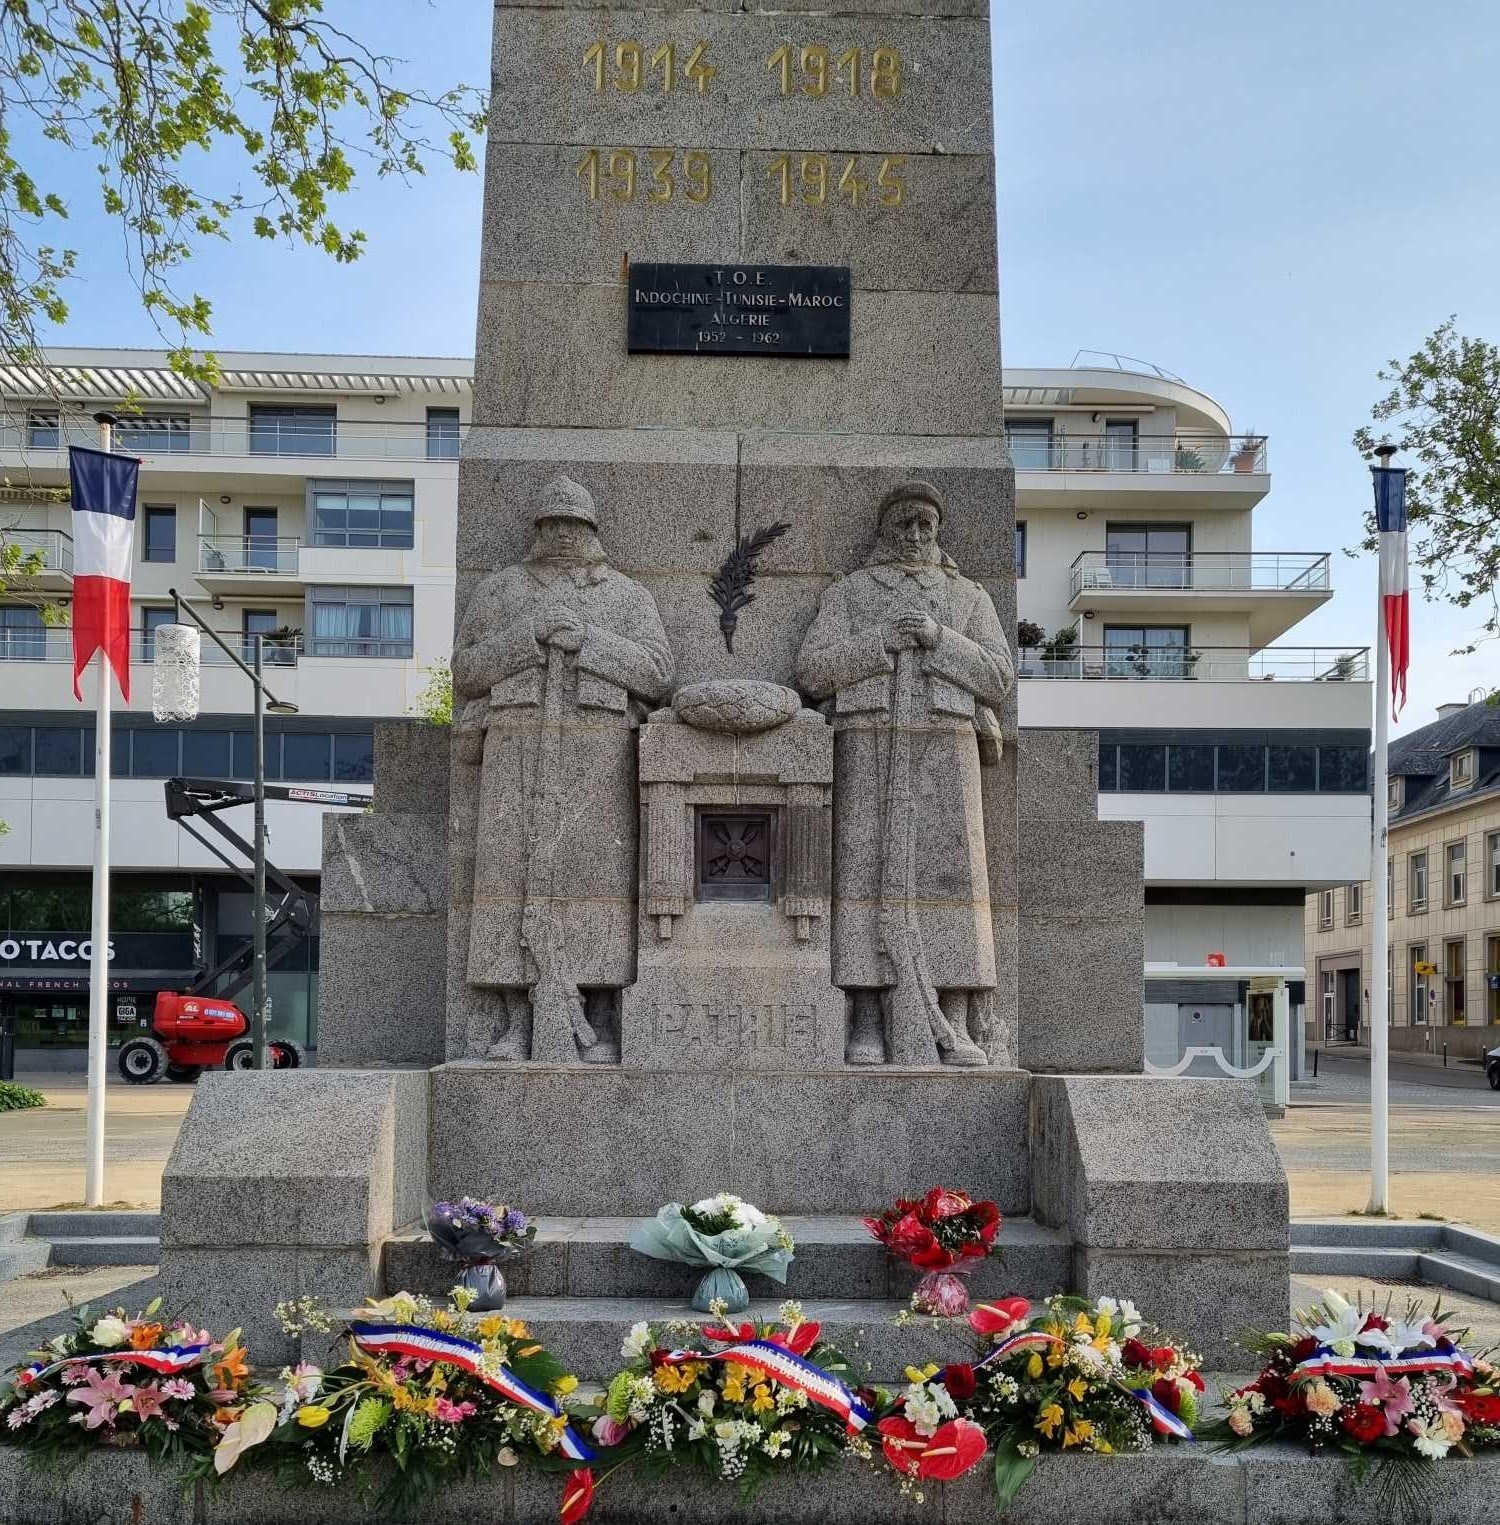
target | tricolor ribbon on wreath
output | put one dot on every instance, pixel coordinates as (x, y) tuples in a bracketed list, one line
[(1327, 1364), (790, 1370), (1163, 1420), (166, 1362), (453, 1350)]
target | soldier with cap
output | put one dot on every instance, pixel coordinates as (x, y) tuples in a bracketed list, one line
[(914, 660), (556, 662)]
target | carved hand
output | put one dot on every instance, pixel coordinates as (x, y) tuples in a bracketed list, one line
[(912, 628), (560, 628)]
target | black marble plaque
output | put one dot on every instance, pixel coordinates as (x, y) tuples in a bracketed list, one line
[(797, 310)]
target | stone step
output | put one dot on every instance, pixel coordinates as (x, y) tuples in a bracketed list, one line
[(105, 1250), (835, 1258), (81, 1225), (1461, 1273), (1397, 1233), (24, 1257), (1398, 1262), (13, 1227)]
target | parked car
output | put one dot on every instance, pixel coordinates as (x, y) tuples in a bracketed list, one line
[(1492, 1068)]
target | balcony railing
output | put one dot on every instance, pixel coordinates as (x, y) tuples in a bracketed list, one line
[(1204, 664), (281, 652), (1201, 572), (1163, 454), (360, 646), (253, 555), (41, 551), (279, 438)]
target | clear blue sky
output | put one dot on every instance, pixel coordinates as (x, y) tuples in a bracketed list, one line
[(1270, 200)]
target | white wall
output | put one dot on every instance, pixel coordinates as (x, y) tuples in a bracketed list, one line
[(1255, 936)]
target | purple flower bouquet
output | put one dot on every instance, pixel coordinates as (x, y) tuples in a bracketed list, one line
[(480, 1235)]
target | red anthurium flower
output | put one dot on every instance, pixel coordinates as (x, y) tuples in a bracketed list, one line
[(1163, 1357), (998, 1317), (933, 1257), (578, 1495), (1364, 1421), (902, 1445), (953, 1449), (941, 1203), (1196, 1379), (909, 1236), (799, 1340), (724, 1335), (960, 1381), (658, 1358)]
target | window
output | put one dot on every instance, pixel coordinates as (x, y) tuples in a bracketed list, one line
[(1120, 444), (1492, 979), (279, 430), (1492, 856), (1461, 770), (206, 754), (1325, 910), (362, 514), (305, 756), (155, 433), (353, 758), (1330, 1003), (244, 754), (361, 622), (1109, 767), (1292, 770), (1416, 882), (1390, 887), (1021, 548), (442, 434), (43, 431), (262, 550), (1456, 857), (1343, 770), (161, 533), (1418, 970), (278, 650), (1242, 769), (1146, 651), (15, 749), (1149, 555), (1354, 904), (1143, 768), (1190, 769), (1030, 441), (1455, 981), (151, 621), (23, 636), (61, 751), (155, 753), (1393, 794)]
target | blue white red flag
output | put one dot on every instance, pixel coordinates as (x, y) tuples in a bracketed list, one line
[(1390, 535), (103, 538)]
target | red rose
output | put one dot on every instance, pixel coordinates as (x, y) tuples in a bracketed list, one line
[(1163, 1357), (1374, 1321), (1168, 1394), (1134, 1353), (909, 1237), (1364, 1421), (960, 1381), (1303, 1350), (941, 1203)]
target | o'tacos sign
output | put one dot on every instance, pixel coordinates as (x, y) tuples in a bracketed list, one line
[(787, 310)]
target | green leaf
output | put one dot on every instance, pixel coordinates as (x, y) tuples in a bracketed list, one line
[(1011, 1471)]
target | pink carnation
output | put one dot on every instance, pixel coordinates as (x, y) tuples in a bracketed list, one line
[(454, 1413)]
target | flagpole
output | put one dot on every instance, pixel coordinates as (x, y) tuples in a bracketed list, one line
[(99, 929), (1380, 1088)]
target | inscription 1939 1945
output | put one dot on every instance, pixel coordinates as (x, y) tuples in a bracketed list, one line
[(796, 310)]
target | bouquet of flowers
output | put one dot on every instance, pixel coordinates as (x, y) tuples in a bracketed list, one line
[(480, 1235), (426, 1393), (742, 1403), (1376, 1386), (1072, 1375), (946, 1233), (114, 1380), (723, 1232)]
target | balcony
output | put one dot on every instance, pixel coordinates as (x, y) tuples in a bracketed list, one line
[(1182, 470), (46, 564), (247, 563), (1276, 589), (1202, 664)]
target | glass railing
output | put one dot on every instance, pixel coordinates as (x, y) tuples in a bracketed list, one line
[(268, 555), (41, 551), (1161, 455), (1202, 572), (1205, 664), (359, 646)]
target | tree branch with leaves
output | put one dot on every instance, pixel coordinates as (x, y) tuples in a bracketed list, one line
[(1442, 413)]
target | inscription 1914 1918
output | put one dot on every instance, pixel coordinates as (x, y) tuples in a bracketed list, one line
[(797, 310)]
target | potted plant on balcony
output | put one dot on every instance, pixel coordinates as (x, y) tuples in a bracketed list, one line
[(281, 645), (1185, 458), (1029, 636), (1060, 648), (1247, 455), (1343, 668)]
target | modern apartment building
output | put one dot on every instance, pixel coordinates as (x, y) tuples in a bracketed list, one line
[(311, 499), (1148, 613), (1443, 882)]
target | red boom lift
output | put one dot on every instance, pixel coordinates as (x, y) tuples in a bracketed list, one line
[(194, 1030)]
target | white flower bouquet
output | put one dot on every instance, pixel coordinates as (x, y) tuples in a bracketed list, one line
[(726, 1234)]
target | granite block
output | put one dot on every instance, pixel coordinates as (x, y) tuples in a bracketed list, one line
[(411, 767), (1091, 869), (1227, 1192), (941, 236), (248, 1497), (1081, 1005), (1059, 776), (557, 231), (386, 863), (381, 988), (799, 752), (110, 1486), (665, 498), (553, 356), (546, 90), (1210, 1299), (1283, 1487)]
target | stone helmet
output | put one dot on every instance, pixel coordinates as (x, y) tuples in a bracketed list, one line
[(914, 491), (563, 498)]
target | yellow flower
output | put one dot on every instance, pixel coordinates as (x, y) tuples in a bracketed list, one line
[(1104, 1448), (525, 1350), (763, 1401), (1078, 1388), (492, 1326), (734, 1382), (1034, 1366), (1070, 1438), (518, 1330), (402, 1398), (1083, 1325), (314, 1416), (1103, 1323), (1083, 1429), (564, 1385), (1048, 1420), (914, 1375)]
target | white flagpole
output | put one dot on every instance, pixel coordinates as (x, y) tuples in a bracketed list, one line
[(99, 952), (1380, 1088)]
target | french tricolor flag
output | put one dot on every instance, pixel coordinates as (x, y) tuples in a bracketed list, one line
[(103, 540), (1390, 527)]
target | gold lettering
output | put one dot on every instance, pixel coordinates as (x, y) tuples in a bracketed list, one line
[(892, 188), (661, 173), (885, 75), (588, 167), (782, 59), (697, 70), (699, 169), (628, 62)]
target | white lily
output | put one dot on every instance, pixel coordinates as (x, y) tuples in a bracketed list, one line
[(1398, 1337), (1341, 1326)]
